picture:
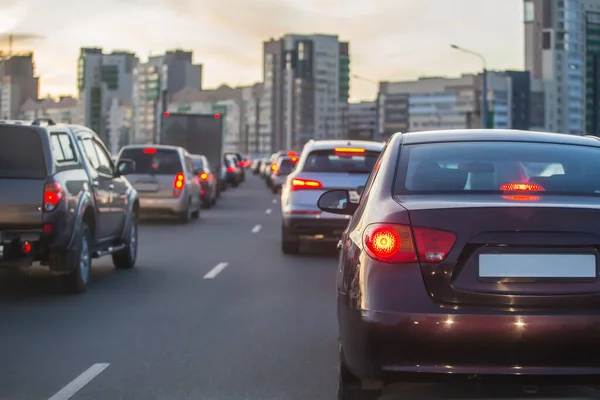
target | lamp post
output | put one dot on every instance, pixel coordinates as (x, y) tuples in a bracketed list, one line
[(375, 131), (484, 101)]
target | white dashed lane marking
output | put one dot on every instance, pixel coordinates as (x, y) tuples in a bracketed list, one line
[(78, 383), (212, 274), (256, 229)]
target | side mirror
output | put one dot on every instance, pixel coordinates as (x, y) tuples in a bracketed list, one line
[(337, 202), (125, 167)]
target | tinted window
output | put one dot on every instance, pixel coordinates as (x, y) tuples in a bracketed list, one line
[(90, 153), (330, 161), (286, 166), (487, 166), (198, 163), (21, 154), (106, 166), (163, 162)]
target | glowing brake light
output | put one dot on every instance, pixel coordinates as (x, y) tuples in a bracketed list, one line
[(26, 248), (273, 167), (349, 150), (53, 194), (291, 154), (166, 113), (294, 159), (400, 244), (203, 176), (150, 150), (230, 169), (521, 187), (178, 184), (303, 184)]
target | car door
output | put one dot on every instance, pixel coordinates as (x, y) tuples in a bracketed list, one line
[(102, 187), (118, 200)]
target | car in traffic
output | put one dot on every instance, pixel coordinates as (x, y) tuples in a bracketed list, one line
[(323, 165), (166, 181), (233, 172), (240, 163), (265, 165), (271, 170), (209, 185), (255, 166), (284, 166), (64, 202), (464, 260)]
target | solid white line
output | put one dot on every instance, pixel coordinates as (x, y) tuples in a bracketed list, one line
[(274, 201), (256, 229), (216, 270), (78, 383), (268, 211)]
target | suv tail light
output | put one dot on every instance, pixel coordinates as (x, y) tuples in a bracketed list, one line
[(203, 176), (53, 194), (402, 244), (230, 169), (178, 184), (305, 184)]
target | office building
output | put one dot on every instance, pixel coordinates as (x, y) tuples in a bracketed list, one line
[(155, 82), (362, 120), (18, 84), (562, 48), (306, 86), (101, 79), (64, 110)]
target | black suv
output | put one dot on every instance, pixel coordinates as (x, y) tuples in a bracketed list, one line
[(63, 202)]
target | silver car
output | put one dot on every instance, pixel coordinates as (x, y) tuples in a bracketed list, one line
[(283, 167), (165, 180), (323, 165)]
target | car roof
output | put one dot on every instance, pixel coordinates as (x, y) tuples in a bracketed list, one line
[(511, 135), (332, 144)]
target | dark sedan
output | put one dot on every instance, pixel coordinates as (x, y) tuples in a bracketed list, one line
[(209, 186), (472, 255)]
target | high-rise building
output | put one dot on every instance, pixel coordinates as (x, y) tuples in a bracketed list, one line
[(306, 85), (101, 78), (562, 48), (362, 120), (18, 84), (155, 83)]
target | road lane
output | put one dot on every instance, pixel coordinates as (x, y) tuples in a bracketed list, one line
[(262, 328)]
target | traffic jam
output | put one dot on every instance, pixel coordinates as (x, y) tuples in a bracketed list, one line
[(424, 265)]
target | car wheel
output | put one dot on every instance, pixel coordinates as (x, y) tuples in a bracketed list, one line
[(185, 216), (349, 385), (289, 244), (206, 204), (196, 214), (79, 261), (125, 259)]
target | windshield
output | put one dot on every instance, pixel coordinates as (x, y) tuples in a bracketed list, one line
[(489, 166), (330, 161), (21, 154), (154, 161)]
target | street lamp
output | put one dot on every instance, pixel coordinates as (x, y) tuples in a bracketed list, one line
[(484, 102)]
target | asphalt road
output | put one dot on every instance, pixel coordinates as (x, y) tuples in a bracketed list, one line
[(212, 311)]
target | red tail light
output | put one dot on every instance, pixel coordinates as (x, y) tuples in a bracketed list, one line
[(521, 187), (149, 150), (53, 194), (230, 169), (294, 159), (26, 248), (303, 184), (273, 167), (401, 244), (203, 176), (291, 153), (178, 184)]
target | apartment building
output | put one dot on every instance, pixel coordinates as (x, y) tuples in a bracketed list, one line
[(435, 103), (362, 120), (562, 48), (18, 84), (306, 86), (102, 78), (64, 110), (155, 82)]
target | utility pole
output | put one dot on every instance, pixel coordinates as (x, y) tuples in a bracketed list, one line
[(484, 84), (257, 123)]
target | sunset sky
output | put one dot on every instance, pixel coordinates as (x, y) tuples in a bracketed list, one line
[(389, 39)]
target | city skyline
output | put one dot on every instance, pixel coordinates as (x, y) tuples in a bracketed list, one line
[(228, 37)]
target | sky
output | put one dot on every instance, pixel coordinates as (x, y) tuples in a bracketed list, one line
[(389, 39)]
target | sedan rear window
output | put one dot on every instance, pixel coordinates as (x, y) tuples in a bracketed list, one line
[(492, 167), (286, 166), (21, 154), (345, 162), (154, 161)]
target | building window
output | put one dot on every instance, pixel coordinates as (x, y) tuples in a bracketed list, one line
[(529, 11), (546, 41)]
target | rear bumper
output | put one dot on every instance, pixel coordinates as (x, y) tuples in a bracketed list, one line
[(391, 329), (151, 205), (11, 255), (312, 226)]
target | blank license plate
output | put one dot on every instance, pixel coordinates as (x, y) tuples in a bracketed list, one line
[(146, 187), (552, 266)]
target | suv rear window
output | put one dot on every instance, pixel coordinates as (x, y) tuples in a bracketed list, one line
[(286, 166), (484, 167), (331, 161), (21, 154), (198, 163), (154, 161)]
